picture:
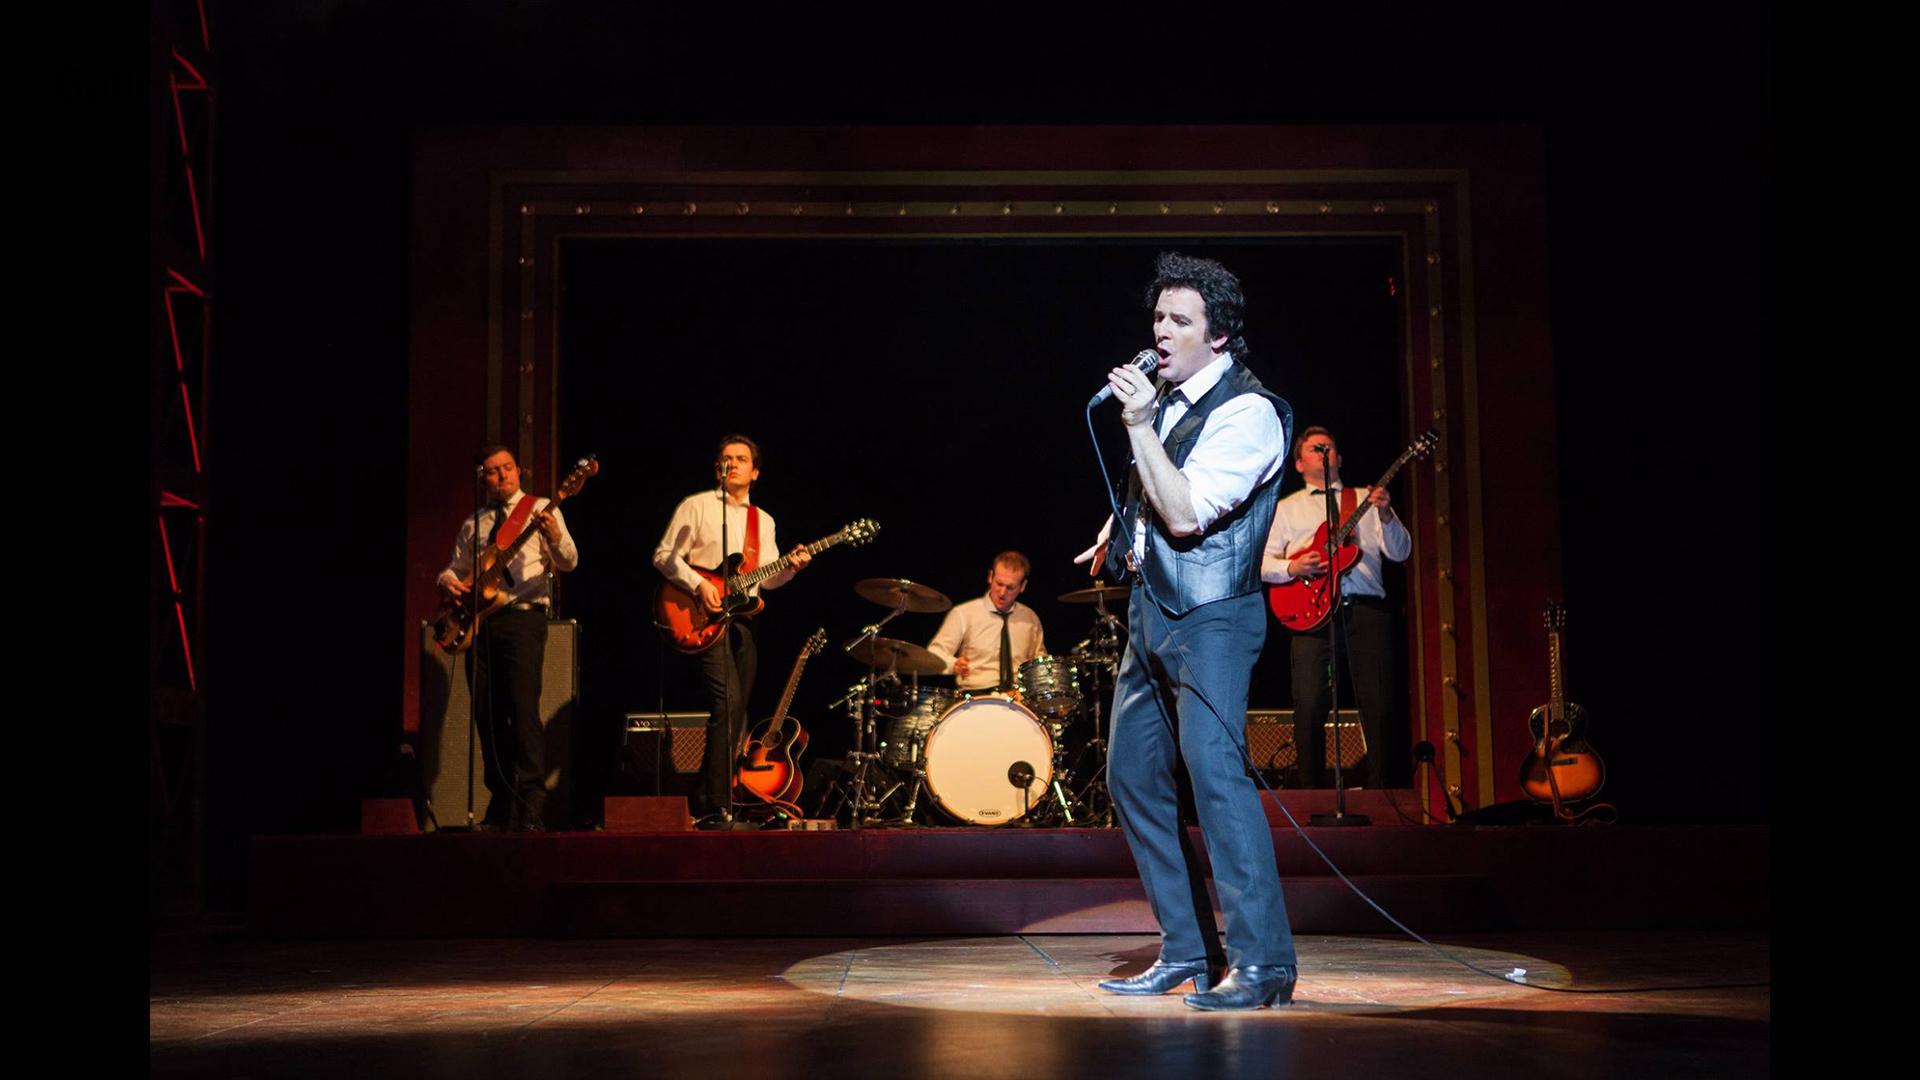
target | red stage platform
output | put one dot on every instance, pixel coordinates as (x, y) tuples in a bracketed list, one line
[(978, 881)]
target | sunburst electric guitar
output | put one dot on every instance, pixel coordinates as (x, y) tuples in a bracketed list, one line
[(458, 622), (691, 628)]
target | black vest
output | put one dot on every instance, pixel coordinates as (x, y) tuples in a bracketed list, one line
[(1185, 572)]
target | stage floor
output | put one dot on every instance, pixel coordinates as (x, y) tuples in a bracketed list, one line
[(1019, 1006)]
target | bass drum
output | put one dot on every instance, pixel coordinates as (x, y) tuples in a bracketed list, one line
[(976, 749)]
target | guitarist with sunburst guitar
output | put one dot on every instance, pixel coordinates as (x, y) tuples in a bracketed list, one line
[(701, 593), (496, 602), (1310, 597)]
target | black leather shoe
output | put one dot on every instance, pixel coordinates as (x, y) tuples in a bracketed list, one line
[(1248, 987), (1164, 975)]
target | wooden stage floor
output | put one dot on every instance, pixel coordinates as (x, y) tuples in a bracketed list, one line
[(1017, 1006)]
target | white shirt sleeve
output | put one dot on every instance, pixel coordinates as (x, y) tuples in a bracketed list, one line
[(565, 555), (1240, 445), (670, 557), (946, 643)]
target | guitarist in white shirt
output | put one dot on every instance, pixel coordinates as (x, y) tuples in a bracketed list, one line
[(1367, 643), (693, 538), (512, 643)]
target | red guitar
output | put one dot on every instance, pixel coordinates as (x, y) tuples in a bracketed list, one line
[(765, 767), (691, 628), (1305, 603), (458, 623), (1561, 767)]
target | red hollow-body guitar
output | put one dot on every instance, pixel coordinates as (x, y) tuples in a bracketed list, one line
[(1305, 603), (457, 624), (691, 628), (766, 766)]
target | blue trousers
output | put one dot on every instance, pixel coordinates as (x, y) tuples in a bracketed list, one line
[(1180, 701)]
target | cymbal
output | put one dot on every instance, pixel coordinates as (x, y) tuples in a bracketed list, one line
[(903, 594), (901, 656), (1102, 591)]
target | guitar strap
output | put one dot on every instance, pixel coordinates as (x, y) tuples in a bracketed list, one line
[(1348, 500), (750, 547), (504, 534)]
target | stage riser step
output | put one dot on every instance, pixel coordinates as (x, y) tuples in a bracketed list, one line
[(1596, 853), (464, 884)]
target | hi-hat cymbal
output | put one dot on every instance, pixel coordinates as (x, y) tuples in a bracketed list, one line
[(889, 654), (1102, 591), (903, 594)]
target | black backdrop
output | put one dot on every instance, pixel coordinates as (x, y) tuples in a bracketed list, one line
[(1658, 161), (939, 388)]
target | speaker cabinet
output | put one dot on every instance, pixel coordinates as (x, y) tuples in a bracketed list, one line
[(450, 748)]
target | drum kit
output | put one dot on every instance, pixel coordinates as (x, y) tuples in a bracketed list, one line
[(1034, 755)]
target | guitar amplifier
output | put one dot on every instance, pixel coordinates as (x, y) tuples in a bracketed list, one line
[(450, 749), (676, 737), (1270, 739)]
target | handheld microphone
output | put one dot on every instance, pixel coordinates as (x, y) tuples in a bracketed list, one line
[(1147, 360)]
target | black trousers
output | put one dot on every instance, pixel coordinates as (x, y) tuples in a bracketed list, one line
[(728, 668), (510, 652), (1367, 654)]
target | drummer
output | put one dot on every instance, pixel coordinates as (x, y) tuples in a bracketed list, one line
[(985, 640)]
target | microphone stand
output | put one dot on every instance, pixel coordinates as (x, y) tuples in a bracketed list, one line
[(1336, 629), (474, 657), (733, 661)]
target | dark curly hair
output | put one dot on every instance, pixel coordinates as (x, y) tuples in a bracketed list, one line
[(1226, 306)]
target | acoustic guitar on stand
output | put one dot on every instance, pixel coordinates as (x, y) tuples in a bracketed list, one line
[(1561, 768), (766, 765)]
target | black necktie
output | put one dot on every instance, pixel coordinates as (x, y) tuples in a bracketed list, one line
[(1006, 652), (499, 519)]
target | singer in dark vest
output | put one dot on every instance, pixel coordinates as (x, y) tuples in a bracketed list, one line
[(1208, 444)]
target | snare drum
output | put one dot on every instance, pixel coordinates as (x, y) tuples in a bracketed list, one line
[(1050, 687), (907, 733), (975, 749)]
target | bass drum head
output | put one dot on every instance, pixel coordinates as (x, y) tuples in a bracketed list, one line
[(970, 753)]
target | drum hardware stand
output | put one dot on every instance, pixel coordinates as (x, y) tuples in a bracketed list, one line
[(1065, 804), (1097, 746), (913, 796), (861, 796)]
